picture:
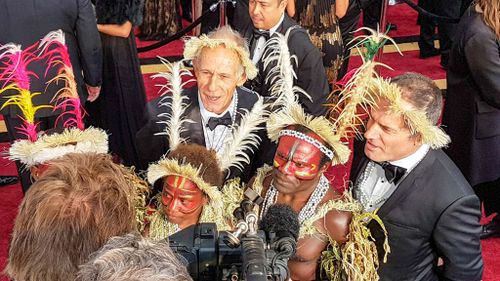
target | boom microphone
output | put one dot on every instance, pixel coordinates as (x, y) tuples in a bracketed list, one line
[(281, 224)]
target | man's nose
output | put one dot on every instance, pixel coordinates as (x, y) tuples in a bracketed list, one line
[(370, 132), (287, 168), (212, 83), (173, 205), (255, 10)]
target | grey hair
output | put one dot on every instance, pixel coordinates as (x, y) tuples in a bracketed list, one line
[(133, 258), (226, 32), (421, 93)]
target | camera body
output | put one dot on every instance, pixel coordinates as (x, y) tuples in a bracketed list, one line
[(209, 258)]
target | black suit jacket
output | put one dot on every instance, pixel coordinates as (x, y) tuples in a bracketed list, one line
[(311, 75), (25, 22), (152, 147), (432, 213), (471, 114)]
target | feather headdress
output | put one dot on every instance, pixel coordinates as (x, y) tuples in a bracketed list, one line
[(35, 149), (194, 46), (15, 77), (366, 87), (172, 98), (416, 120), (281, 74), (355, 92)]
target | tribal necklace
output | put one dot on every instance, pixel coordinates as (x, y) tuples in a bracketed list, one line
[(309, 208)]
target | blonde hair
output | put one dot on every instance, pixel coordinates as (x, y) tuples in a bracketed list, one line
[(491, 14), (71, 211)]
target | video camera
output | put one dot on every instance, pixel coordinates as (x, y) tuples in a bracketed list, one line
[(246, 253)]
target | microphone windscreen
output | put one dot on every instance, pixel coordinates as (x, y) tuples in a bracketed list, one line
[(282, 220)]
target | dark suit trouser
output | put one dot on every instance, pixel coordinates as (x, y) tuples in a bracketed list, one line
[(371, 14), (489, 194), (427, 27), (12, 124), (347, 25)]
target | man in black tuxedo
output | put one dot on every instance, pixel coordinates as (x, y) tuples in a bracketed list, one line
[(427, 206), (217, 102), (268, 17), (24, 22)]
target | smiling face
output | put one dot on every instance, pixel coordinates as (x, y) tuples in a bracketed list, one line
[(266, 13), (387, 137), (297, 164), (218, 72), (182, 200)]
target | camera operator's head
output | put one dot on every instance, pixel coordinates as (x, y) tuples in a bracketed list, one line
[(131, 257), (79, 202), (190, 179), (299, 161)]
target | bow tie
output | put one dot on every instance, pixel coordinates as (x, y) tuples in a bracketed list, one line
[(261, 33), (225, 120), (392, 173)]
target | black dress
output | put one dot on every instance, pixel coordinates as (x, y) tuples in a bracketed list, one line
[(120, 107), (318, 17), (161, 19)]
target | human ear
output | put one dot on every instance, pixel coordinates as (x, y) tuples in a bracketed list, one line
[(241, 80)]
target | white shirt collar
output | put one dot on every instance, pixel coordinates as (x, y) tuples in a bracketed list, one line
[(410, 161), (207, 114), (274, 28)]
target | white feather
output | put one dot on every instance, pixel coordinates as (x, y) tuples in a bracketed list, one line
[(57, 35), (281, 75), (174, 120), (244, 137)]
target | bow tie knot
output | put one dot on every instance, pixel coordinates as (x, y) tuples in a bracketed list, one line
[(257, 33), (393, 173), (225, 120)]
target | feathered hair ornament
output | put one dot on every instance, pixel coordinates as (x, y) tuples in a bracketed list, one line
[(355, 94), (415, 120), (194, 46), (284, 93), (66, 99), (15, 77), (35, 149), (365, 87)]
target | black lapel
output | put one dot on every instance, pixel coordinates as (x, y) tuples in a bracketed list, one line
[(246, 100), (194, 130), (407, 184)]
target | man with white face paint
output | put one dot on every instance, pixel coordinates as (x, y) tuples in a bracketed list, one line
[(221, 65), (428, 208)]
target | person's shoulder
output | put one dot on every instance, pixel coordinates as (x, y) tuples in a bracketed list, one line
[(246, 97), (337, 219), (472, 27), (442, 176)]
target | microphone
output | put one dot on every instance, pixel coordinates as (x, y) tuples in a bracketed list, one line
[(281, 224)]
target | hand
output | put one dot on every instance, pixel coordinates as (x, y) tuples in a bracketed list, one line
[(93, 92)]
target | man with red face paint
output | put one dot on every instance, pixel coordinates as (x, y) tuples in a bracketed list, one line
[(189, 179), (297, 180)]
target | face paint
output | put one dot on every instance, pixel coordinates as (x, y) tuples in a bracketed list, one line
[(182, 200), (298, 158)]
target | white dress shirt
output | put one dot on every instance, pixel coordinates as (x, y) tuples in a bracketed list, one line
[(215, 139), (261, 43), (373, 189)]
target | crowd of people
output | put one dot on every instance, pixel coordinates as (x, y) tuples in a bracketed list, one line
[(108, 177)]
